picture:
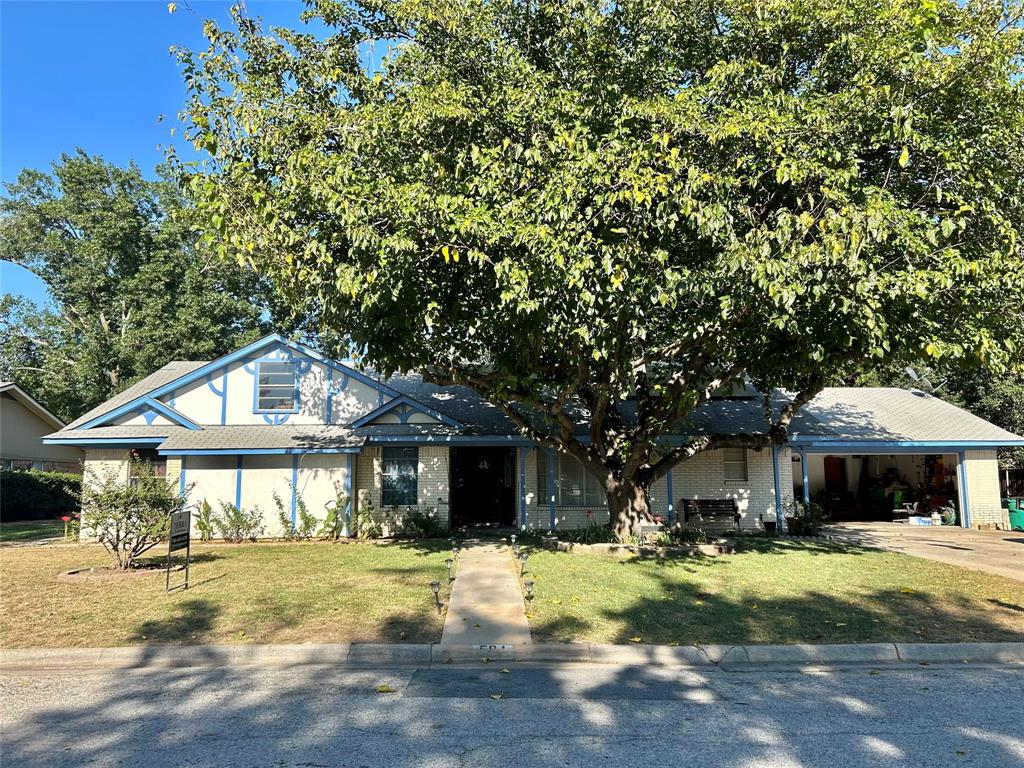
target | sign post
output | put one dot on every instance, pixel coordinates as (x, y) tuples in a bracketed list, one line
[(181, 530)]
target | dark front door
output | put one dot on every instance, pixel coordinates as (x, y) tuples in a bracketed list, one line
[(483, 487)]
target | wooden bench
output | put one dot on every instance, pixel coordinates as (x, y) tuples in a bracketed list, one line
[(715, 510)]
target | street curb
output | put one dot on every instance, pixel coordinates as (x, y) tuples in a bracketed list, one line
[(729, 658)]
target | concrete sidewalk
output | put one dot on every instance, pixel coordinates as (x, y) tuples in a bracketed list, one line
[(997, 552), (486, 606)]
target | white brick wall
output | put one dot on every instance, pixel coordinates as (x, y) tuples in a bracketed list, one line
[(432, 484), (983, 498)]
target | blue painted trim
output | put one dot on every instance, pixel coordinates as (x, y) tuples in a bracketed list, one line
[(349, 471), (780, 521), (295, 488), (404, 400), (238, 482), (329, 396), (668, 490), (256, 387), (146, 401), (964, 487), (552, 492), (522, 488), (819, 444), (805, 471), (181, 478), (251, 451), (100, 441), (221, 393)]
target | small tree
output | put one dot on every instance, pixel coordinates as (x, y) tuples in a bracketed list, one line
[(128, 519)]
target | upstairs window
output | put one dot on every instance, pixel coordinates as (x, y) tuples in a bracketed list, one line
[(276, 387), (399, 477), (146, 461), (734, 462)]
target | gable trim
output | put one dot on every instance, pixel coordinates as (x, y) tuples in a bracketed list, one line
[(390, 405), (215, 366), (32, 404), (143, 403)]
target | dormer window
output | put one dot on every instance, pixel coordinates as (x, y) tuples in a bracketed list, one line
[(277, 388)]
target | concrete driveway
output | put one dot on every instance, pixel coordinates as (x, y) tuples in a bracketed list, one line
[(997, 552)]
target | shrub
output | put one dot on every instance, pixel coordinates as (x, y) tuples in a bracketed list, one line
[(34, 495), (307, 520), (423, 524), (365, 522), (204, 521), (804, 519), (593, 533), (284, 518), (236, 525), (128, 519), (334, 522)]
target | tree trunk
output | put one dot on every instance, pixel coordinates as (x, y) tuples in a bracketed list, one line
[(628, 506)]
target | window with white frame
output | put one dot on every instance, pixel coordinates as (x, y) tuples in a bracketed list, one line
[(734, 464), (276, 388), (574, 486), (399, 476)]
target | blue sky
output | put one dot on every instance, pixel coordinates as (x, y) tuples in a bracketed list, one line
[(96, 75)]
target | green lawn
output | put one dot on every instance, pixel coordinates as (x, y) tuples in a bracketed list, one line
[(770, 592), (31, 530), (248, 593)]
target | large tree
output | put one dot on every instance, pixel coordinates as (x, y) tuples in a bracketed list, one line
[(602, 213), (131, 288)]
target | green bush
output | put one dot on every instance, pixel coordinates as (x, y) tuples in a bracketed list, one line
[(204, 521), (128, 519), (34, 495), (334, 522), (423, 524), (235, 525)]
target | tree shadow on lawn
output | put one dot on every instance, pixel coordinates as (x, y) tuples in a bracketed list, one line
[(688, 613)]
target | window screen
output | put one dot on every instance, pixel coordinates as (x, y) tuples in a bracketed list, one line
[(275, 386), (734, 461), (399, 476)]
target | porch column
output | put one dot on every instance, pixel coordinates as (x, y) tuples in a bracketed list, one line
[(806, 476), (349, 469), (295, 489), (238, 481), (551, 488), (964, 489), (668, 490), (522, 488)]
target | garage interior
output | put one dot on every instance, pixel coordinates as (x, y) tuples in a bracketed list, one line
[(879, 487)]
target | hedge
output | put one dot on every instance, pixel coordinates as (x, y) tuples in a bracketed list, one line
[(35, 495)]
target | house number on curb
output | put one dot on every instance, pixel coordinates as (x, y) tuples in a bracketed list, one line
[(181, 528)]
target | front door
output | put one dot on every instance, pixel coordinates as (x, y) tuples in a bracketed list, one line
[(483, 487)]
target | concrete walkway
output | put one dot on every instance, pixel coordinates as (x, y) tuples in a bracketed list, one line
[(997, 552), (486, 606)]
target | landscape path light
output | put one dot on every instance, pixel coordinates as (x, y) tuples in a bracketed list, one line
[(435, 587)]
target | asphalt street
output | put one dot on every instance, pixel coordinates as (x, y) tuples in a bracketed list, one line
[(519, 715)]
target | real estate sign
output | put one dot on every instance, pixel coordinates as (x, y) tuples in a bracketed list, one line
[(181, 528)]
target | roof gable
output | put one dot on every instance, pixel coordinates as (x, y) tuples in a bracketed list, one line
[(404, 407), (31, 404)]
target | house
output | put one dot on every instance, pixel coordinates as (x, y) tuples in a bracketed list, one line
[(277, 417), (24, 421)]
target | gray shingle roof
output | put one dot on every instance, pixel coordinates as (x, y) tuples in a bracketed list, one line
[(263, 436), (888, 413), (120, 432), (168, 373)]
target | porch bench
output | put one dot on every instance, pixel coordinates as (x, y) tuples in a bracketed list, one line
[(715, 510)]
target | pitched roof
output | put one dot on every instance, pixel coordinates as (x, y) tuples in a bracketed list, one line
[(892, 414), (264, 437), (158, 378), (31, 403)]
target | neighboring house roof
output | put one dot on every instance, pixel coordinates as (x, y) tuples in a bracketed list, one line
[(892, 414), (23, 397)]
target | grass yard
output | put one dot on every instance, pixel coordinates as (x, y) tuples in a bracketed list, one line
[(248, 593), (31, 530), (770, 592)]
